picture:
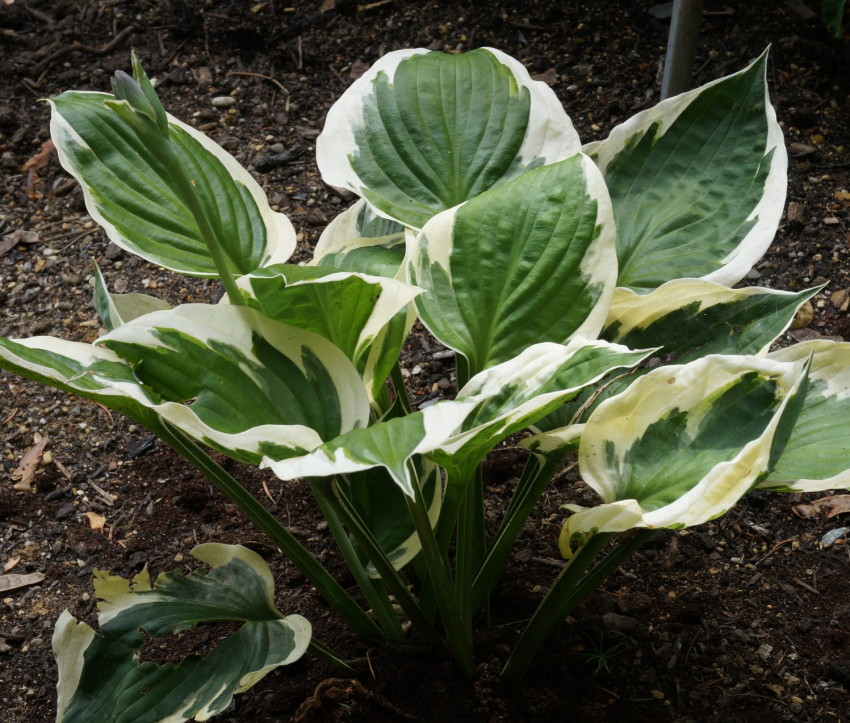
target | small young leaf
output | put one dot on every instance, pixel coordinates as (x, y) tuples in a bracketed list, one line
[(360, 240), (117, 309), (349, 309), (100, 677)]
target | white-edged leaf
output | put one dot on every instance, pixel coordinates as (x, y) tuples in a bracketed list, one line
[(349, 309), (117, 309), (683, 320), (389, 444), (555, 442), (817, 455), (138, 203), (684, 443), (698, 182), (695, 317), (360, 240), (254, 386), (74, 367), (515, 394), (529, 261), (257, 387), (423, 131), (100, 677)]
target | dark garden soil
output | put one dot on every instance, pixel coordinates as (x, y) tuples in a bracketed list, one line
[(745, 619)]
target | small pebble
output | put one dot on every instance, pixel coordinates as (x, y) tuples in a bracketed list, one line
[(224, 101)]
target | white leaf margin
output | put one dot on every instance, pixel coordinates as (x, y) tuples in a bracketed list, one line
[(624, 418), (830, 365), (280, 233), (633, 310), (768, 210), (550, 134)]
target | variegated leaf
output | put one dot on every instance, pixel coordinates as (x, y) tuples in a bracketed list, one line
[(685, 442), (135, 198), (698, 182), (692, 318), (529, 261), (100, 677), (423, 131), (817, 456), (360, 240), (255, 387), (513, 395), (389, 444), (117, 309), (685, 319), (349, 309)]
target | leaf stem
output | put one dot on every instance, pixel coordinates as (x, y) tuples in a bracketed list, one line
[(548, 613), (327, 586), (470, 545), (570, 589), (330, 658), (535, 478), (459, 638), (337, 497), (400, 388), (211, 239), (376, 596)]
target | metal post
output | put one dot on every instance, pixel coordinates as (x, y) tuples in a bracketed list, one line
[(681, 47)]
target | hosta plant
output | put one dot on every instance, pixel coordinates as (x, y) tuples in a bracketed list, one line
[(587, 292)]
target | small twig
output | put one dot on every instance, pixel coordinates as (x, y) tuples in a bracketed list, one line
[(807, 586), (44, 17), (372, 6), (564, 471), (261, 76), (775, 548), (65, 49), (108, 498), (557, 564)]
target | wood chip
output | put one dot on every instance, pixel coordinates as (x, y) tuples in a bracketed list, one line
[(796, 212), (799, 7), (10, 563), (25, 471), (833, 505), (840, 299), (96, 521), (13, 582)]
